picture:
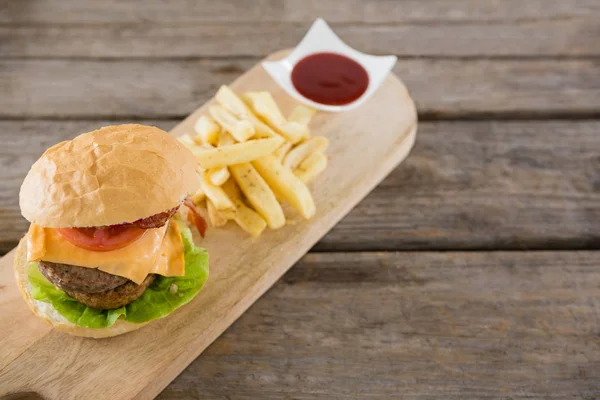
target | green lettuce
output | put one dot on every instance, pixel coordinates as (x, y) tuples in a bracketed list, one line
[(160, 299)]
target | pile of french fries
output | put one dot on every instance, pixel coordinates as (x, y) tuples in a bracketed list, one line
[(251, 159)]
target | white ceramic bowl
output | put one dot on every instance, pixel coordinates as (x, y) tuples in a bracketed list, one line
[(320, 38)]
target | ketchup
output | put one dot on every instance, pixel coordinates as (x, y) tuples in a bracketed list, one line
[(330, 78)]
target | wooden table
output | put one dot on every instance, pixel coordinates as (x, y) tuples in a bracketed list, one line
[(469, 273)]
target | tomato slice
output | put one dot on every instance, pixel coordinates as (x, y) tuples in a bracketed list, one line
[(101, 239)]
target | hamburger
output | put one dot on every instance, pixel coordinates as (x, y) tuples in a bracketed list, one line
[(107, 251)]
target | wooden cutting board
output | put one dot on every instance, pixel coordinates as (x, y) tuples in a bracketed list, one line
[(365, 145)]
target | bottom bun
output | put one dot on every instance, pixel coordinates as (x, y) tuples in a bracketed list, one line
[(46, 312)]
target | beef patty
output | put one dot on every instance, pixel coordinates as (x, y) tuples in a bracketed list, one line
[(92, 287), (115, 298), (80, 279)]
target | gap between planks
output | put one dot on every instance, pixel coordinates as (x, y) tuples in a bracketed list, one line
[(425, 116)]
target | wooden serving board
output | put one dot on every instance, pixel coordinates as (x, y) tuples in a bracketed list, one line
[(365, 145)]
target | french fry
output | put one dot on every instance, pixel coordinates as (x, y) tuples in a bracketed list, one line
[(286, 185), (269, 159), (236, 153), (225, 139), (263, 104), (259, 194), (228, 99), (198, 196), (247, 219), (215, 194), (312, 166), (197, 151), (240, 129), (187, 141), (294, 130), (207, 129), (282, 150), (250, 221), (218, 176), (217, 218), (262, 130), (303, 150), (302, 115)]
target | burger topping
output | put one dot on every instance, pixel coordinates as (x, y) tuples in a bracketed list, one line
[(194, 216), (114, 298), (155, 221), (158, 251), (101, 239), (113, 237), (80, 279)]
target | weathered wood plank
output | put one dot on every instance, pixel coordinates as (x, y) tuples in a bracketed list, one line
[(485, 185), (173, 88), (571, 37), (466, 185), (371, 11), (413, 325)]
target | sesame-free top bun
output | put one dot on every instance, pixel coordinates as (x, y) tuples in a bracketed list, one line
[(112, 175), (46, 312)]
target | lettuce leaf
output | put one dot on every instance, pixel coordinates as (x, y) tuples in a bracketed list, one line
[(162, 297)]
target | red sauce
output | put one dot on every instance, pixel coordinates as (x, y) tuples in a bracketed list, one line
[(330, 78)]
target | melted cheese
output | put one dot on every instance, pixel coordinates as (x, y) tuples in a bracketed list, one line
[(170, 259), (156, 252)]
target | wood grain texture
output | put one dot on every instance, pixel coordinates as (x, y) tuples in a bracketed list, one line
[(413, 326), (173, 88), (497, 325), (278, 11), (58, 366), (549, 38), (485, 185), (466, 185)]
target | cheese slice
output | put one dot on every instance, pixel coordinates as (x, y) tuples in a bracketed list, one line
[(170, 260), (158, 251)]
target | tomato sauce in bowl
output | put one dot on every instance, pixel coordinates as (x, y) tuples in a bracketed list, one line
[(330, 78), (326, 74)]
